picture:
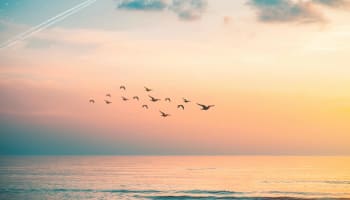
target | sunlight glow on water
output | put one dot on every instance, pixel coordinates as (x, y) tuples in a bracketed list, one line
[(174, 177)]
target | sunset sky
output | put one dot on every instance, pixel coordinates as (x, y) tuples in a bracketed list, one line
[(278, 72)]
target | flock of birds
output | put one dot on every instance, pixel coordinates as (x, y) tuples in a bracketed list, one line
[(153, 99)]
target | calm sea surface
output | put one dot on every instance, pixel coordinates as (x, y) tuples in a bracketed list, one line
[(173, 177)]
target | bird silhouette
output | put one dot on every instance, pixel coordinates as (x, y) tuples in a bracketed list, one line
[(122, 87), (124, 98), (168, 99), (181, 106), (92, 101), (145, 106), (153, 99), (108, 95), (136, 98), (108, 102), (163, 114), (148, 89), (186, 100), (205, 107)]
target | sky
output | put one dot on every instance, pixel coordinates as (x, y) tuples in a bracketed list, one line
[(277, 72)]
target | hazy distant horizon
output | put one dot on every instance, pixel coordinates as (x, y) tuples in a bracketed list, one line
[(179, 155)]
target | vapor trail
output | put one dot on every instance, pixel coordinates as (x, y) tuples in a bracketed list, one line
[(57, 20), (21, 35), (46, 24)]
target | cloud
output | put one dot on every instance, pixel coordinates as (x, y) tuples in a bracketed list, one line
[(189, 9), (333, 3), (294, 10), (151, 5), (184, 9), (286, 11)]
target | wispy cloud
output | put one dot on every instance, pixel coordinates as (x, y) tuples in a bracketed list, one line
[(333, 3), (286, 11), (152, 5), (189, 9), (184, 9), (295, 11), (268, 11)]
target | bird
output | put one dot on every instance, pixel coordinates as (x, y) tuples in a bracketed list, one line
[(153, 99), (205, 107), (163, 114), (186, 100), (124, 98), (168, 99), (108, 102), (108, 95), (122, 87), (92, 101), (181, 106), (147, 89), (145, 106), (136, 98)]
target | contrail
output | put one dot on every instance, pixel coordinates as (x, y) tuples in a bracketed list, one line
[(57, 20), (20, 36), (50, 21), (46, 24)]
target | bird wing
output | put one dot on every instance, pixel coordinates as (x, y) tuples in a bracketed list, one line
[(201, 105), (153, 98)]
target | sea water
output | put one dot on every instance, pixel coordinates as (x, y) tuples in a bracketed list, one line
[(174, 177)]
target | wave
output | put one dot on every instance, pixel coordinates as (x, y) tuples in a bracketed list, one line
[(187, 194), (216, 192), (209, 192), (201, 169), (300, 193), (337, 182), (18, 190), (189, 197)]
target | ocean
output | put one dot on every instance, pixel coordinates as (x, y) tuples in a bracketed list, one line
[(174, 177)]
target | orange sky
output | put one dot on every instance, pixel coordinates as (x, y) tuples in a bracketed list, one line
[(278, 87)]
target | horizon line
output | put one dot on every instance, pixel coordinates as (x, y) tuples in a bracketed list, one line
[(182, 155)]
